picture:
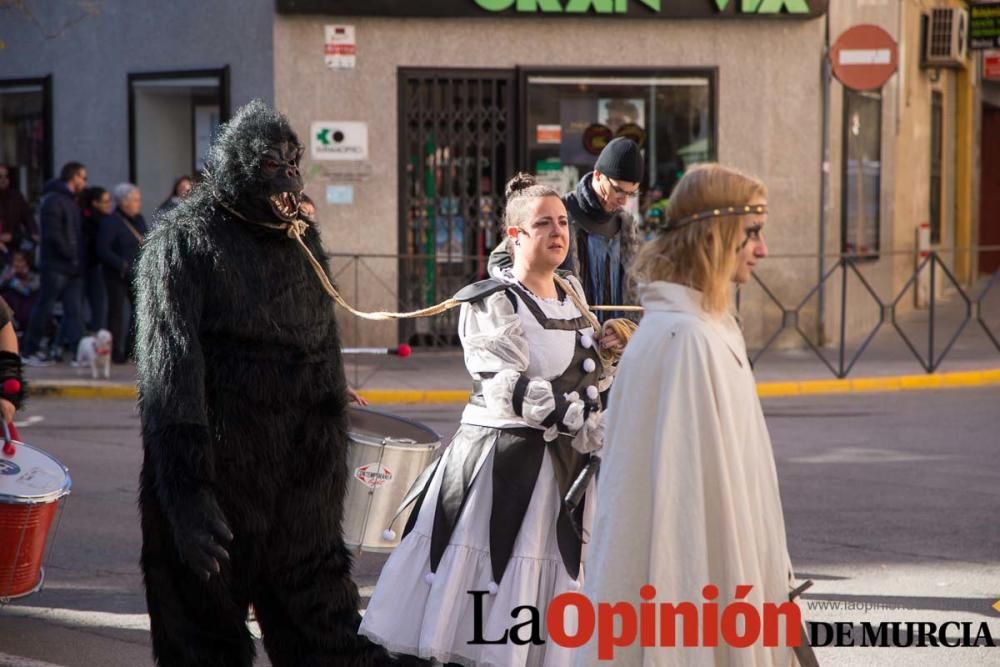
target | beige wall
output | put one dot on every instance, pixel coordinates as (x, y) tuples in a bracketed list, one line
[(768, 112), (912, 140), (906, 136)]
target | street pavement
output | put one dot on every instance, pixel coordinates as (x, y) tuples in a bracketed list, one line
[(890, 503)]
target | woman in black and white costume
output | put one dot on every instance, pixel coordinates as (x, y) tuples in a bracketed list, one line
[(489, 514)]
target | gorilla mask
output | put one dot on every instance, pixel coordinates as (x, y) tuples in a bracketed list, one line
[(253, 165)]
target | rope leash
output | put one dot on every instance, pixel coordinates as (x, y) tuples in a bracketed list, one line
[(296, 230)]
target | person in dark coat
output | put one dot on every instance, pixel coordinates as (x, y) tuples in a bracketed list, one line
[(182, 188), (19, 286), (61, 263), (118, 241), (96, 205), (604, 237), (15, 214)]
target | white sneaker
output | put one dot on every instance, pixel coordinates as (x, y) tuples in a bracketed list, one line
[(37, 359)]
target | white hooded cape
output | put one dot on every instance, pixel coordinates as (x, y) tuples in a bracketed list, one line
[(688, 489)]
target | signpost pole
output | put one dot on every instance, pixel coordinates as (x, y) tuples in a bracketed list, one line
[(824, 183)]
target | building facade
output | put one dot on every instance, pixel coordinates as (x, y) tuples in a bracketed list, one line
[(134, 91), (416, 114)]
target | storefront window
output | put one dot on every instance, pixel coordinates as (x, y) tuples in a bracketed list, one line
[(862, 176), (25, 141), (937, 160), (570, 117)]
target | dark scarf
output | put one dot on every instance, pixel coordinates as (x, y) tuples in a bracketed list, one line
[(590, 204)]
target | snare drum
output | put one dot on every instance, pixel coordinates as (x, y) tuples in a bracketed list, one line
[(385, 456), (32, 486)]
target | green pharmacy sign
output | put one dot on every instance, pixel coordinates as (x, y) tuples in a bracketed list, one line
[(625, 9)]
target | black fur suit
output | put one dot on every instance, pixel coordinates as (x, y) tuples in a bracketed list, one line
[(242, 396)]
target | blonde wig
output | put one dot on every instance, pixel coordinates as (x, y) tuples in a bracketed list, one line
[(701, 253)]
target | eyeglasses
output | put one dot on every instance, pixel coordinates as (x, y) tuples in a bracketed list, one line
[(620, 192)]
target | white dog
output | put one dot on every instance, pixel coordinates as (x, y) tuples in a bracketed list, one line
[(95, 351)]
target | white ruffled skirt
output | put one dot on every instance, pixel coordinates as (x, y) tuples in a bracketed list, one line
[(433, 616)]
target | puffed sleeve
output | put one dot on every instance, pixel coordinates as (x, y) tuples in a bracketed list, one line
[(496, 354)]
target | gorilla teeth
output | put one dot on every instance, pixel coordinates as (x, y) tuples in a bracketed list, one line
[(285, 204)]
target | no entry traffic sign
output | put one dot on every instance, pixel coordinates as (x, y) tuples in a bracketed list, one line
[(864, 57)]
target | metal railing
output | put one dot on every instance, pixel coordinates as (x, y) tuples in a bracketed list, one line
[(371, 282), (888, 309)]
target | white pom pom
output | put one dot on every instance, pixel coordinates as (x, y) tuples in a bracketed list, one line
[(574, 584), (589, 365), (592, 393), (388, 534), (586, 341), (493, 588), (429, 578)]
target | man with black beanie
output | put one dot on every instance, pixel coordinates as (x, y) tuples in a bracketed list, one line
[(603, 236)]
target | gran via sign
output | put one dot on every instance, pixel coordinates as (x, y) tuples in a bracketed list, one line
[(623, 6), (630, 9)]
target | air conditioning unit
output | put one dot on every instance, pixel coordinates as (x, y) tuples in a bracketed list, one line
[(946, 32)]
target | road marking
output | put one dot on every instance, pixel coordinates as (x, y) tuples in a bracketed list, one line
[(7, 660), (82, 619), (33, 419), (865, 455)]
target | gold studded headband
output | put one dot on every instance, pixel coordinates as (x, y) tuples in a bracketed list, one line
[(669, 225)]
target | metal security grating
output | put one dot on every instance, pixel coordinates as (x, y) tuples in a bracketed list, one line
[(940, 37), (456, 144)]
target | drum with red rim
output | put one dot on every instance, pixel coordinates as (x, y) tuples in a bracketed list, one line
[(32, 486)]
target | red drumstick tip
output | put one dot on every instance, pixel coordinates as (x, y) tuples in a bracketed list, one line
[(11, 386), (404, 350), (8, 449)]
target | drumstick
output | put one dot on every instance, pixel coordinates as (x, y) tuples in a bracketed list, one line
[(8, 446), (403, 350)]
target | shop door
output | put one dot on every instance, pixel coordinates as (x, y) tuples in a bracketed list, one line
[(173, 118), (456, 143), (989, 189)]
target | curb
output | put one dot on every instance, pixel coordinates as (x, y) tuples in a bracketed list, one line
[(868, 385), (959, 379), (77, 389)]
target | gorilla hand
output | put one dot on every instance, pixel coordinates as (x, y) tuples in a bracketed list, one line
[(202, 535)]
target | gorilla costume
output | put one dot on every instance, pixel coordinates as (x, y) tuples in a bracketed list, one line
[(243, 405)]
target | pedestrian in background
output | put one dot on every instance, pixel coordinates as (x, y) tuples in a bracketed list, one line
[(60, 265), (604, 237), (307, 208), (19, 287), (119, 239), (182, 188), (688, 490), (96, 205), (16, 222)]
